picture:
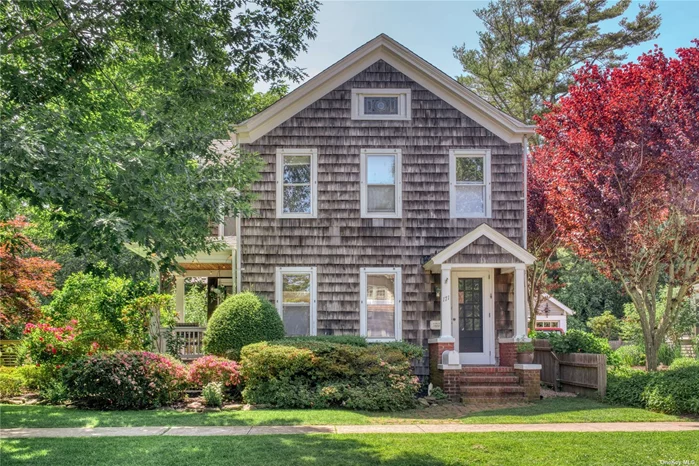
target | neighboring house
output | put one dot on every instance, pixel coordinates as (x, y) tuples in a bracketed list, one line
[(391, 205), (552, 314)]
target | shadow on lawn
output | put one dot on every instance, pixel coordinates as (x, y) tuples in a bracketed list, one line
[(262, 450)]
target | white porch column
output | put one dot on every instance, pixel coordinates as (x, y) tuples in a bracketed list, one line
[(445, 335), (520, 318), (179, 297)]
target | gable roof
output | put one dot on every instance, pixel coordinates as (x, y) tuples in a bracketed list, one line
[(384, 48), (559, 304), (481, 230)]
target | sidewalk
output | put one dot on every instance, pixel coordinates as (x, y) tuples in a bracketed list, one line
[(356, 429)]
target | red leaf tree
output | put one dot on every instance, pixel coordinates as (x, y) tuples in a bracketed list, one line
[(22, 276), (621, 153), (543, 238)]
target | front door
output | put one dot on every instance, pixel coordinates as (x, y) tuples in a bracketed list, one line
[(472, 317)]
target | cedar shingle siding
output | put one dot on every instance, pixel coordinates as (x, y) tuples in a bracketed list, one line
[(339, 242)]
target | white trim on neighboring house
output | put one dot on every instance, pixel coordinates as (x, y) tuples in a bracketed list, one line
[(425, 74), (278, 297), (553, 300), (398, 300), (482, 230), (398, 178), (313, 153), (487, 185), (404, 103)]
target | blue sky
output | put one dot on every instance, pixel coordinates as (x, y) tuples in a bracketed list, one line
[(432, 28)]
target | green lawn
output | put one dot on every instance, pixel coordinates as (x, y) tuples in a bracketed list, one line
[(515, 448), (550, 410), (567, 410)]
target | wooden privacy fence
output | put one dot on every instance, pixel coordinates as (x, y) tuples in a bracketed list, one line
[(580, 373), (8, 352)]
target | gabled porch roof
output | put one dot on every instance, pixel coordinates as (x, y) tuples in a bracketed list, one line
[(518, 253)]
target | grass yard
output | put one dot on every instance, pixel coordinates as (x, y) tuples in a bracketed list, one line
[(514, 448), (567, 410), (548, 410)]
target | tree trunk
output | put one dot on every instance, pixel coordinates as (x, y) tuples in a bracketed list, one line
[(651, 356)]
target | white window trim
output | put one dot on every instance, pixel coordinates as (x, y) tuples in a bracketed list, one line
[(313, 153), (398, 318), (404, 103), (487, 202), (398, 177), (278, 296)]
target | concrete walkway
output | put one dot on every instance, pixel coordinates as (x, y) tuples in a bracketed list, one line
[(199, 431)]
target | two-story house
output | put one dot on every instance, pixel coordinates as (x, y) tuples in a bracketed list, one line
[(392, 205)]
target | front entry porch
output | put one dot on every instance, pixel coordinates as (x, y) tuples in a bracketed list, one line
[(483, 314)]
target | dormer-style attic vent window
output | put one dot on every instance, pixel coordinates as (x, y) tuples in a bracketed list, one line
[(381, 104)]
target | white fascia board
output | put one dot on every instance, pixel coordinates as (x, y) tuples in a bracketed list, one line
[(487, 231), (405, 61), (565, 308)]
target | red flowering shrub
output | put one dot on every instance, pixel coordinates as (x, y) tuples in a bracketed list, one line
[(213, 369), (125, 380), (44, 344)]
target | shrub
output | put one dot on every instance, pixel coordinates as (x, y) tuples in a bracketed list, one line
[(320, 374), (213, 395), (674, 391), (668, 353), (125, 380), (208, 369), (409, 351), (683, 362), (631, 355), (34, 377), (96, 303), (625, 386), (577, 341), (240, 320), (54, 392), (45, 344), (352, 340), (605, 326), (10, 385)]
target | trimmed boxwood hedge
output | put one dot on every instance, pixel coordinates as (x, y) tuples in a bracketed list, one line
[(309, 373), (240, 320)]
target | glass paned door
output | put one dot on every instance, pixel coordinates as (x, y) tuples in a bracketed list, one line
[(470, 306)]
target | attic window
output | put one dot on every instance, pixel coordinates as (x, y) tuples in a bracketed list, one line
[(381, 104)]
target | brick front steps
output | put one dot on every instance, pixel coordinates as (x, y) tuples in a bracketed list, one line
[(489, 384)]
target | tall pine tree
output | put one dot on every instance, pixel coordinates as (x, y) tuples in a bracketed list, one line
[(530, 48)]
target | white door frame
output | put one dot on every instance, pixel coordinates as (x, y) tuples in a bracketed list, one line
[(488, 354)]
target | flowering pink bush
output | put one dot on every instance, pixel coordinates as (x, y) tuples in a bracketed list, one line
[(125, 380), (214, 369), (45, 344)]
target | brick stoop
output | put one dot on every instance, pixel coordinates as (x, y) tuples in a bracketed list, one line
[(490, 384)]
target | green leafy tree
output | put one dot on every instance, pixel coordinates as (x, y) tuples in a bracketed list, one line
[(585, 290), (530, 48), (109, 110)]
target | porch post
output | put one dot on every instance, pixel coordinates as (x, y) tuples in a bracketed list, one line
[(445, 335), (179, 297), (520, 320)]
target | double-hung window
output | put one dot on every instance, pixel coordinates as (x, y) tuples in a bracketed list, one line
[(380, 316), (469, 183), (381, 185), (296, 299), (297, 183)]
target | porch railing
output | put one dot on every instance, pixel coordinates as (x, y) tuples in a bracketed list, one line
[(190, 341)]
